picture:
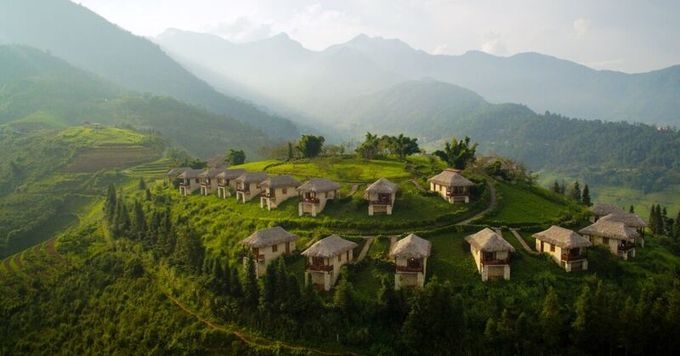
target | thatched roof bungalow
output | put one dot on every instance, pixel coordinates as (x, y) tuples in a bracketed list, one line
[(325, 258), (566, 247), (380, 196), (410, 257), (491, 253), (451, 185), (314, 194), (267, 244)]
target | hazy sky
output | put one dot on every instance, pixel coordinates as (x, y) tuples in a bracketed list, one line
[(631, 36)]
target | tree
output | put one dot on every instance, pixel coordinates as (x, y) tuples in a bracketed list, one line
[(290, 151), (235, 157), (556, 188), (189, 251), (369, 148), (251, 289), (110, 204), (576, 192), (142, 184), (586, 196), (404, 146), (458, 153), (550, 320), (310, 146), (139, 228)]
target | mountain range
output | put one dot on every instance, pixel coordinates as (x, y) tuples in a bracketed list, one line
[(87, 41), (279, 70)]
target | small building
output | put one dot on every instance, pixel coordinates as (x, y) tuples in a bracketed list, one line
[(266, 245), (173, 175), (324, 260), (631, 220), (565, 246), (491, 253), (247, 185), (189, 181), (225, 181), (410, 257), (380, 196), (615, 235), (276, 190), (452, 186), (314, 194), (208, 180), (601, 209)]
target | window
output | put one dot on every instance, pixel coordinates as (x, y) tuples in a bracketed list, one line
[(339, 258), (275, 248), (284, 190), (605, 241), (552, 248)]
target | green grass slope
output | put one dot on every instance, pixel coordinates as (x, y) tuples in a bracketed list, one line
[(50, 176), (38, 90)]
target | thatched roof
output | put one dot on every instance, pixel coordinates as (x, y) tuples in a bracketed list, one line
[(328, 247), (451, 178), (279, 181), (209, 173), (601, 209), (488, 240), (631, 220), (381, 186), (562, 237), (190, 173), (268, 237), (251, 177), (610, 229), (318, 185), (174, 172), (230, 174), (411, 246)]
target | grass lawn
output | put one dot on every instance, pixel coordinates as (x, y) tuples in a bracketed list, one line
[(451, 260), (86, 136), (518, 206), (343, 170)]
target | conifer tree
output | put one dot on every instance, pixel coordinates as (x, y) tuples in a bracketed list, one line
[(142, 184), (581, 325), (631, 209), (586, 196), (110, 204), (189, 251), (576, 192), (653, 219), (251, 289), (138, 223), (121, 220), (550, 320), (556, 188), (235, 287)]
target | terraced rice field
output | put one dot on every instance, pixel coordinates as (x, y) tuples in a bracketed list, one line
[(109, 157)]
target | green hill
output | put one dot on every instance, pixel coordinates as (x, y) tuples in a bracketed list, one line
[(86, 40), (38, 90), (187, 283), (49, 176)]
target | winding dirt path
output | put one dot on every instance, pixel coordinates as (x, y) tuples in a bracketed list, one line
[(522, 242), (492, 205), (248, 339), (365, 248)]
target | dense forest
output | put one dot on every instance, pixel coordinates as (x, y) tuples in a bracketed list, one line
[(138, 281)]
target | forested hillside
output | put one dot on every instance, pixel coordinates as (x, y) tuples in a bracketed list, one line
[(35, 83), (87, 41), (602, 153)]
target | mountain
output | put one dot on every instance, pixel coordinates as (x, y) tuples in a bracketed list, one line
[(364, 64), (86, 40), (635, 155), (280, 69), (37, 89)]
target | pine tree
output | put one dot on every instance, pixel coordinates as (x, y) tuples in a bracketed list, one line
[(556, 188), (121, 220), (251, 289), (586, 196), (581, 325), (235, 288), (138, 225), (631, 209), (576, 192), (110, 204), (658, 220), (550, 320), (189, 252), (653, 219), (142, 184)]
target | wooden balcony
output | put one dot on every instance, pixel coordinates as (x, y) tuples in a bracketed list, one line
[(505, 261), (380, 202), (310, 200), (407, 269), (456, 194), (243, 190), (320, 268), (268, 195), (566, 257)]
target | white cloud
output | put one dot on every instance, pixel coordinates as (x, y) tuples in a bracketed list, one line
[(582, 27), (494, 44), (242, 30), (440, 49)]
